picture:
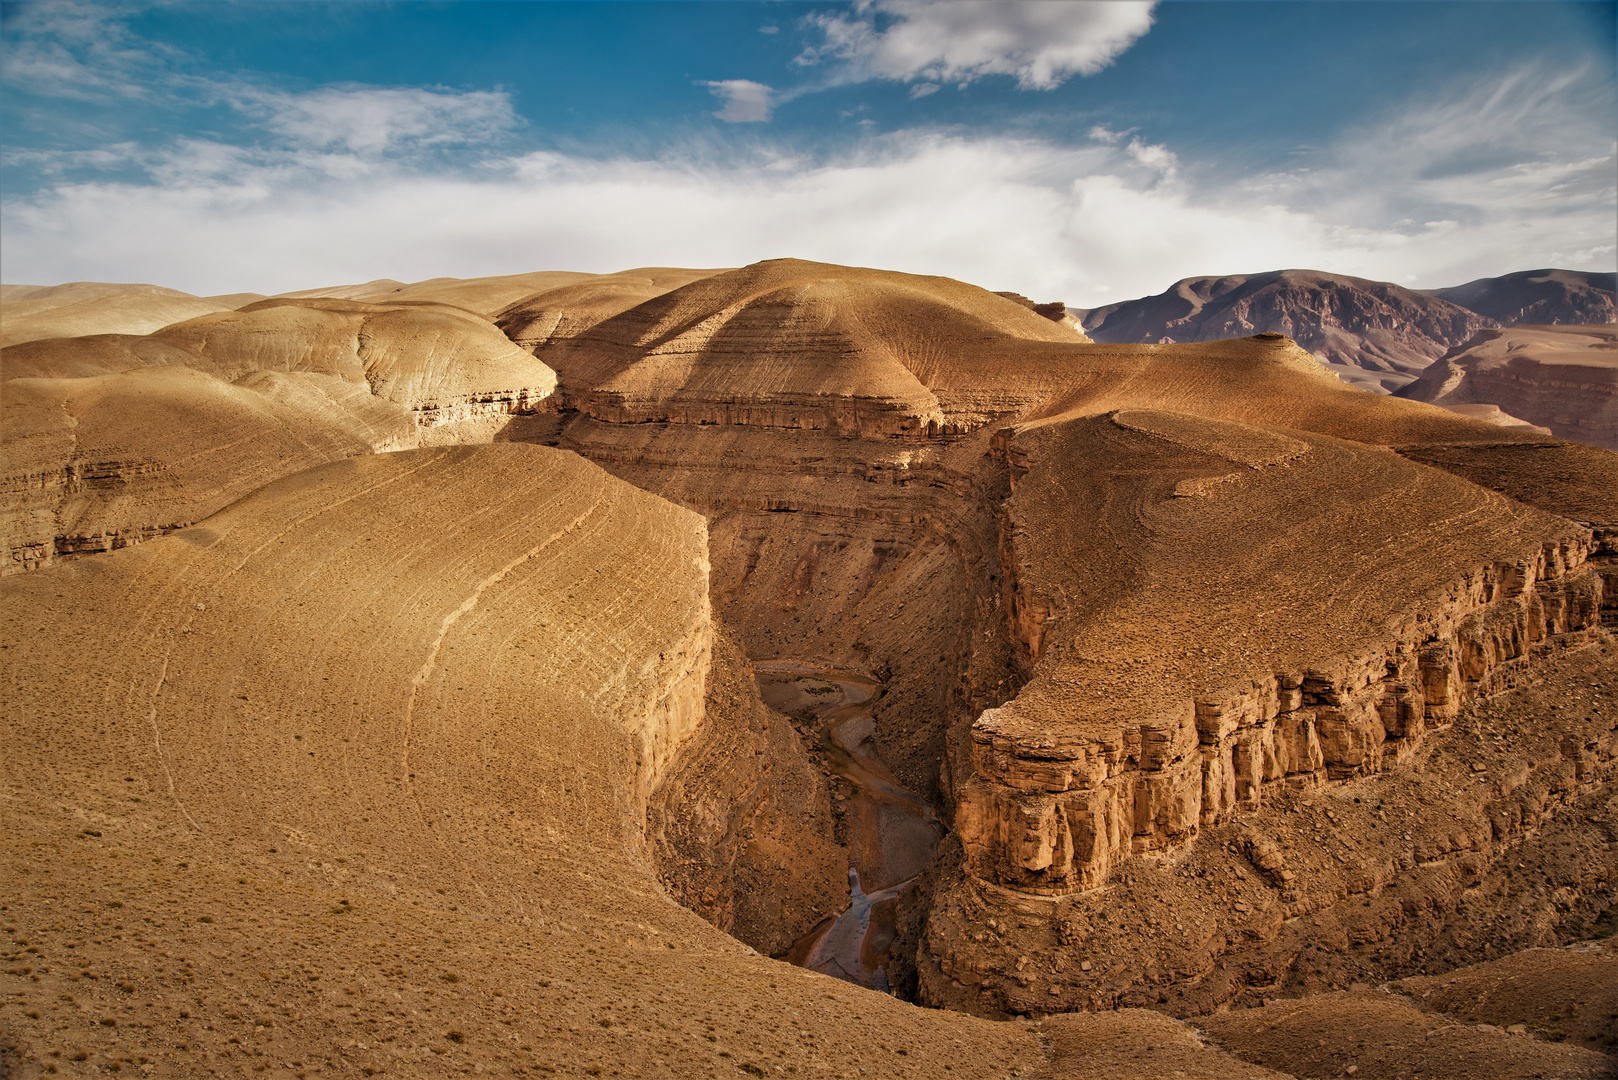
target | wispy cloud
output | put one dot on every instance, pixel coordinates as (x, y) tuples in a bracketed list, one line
[(1525, 157), (79, 49), (374, 120), (743, 100), (1038, 42)]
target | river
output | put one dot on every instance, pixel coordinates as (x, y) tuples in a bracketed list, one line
[(892, 830)]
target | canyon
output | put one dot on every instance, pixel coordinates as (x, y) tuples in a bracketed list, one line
[(497, 673)]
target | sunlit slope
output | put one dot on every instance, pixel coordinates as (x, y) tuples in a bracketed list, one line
[(113, 438), (794, 344), (356, 782), (54, 316), (488, 296)]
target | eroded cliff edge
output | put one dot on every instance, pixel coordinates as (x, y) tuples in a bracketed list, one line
[(1196, 607), (1234, 637)]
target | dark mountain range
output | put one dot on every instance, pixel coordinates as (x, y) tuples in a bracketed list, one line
[(1538, 297), (1374, 334)]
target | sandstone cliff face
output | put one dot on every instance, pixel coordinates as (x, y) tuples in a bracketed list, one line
[(1563, 378), (1494, 837), (1114, 749), (1373, 334)]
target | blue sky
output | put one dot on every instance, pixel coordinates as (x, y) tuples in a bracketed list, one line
[(1075, 151)]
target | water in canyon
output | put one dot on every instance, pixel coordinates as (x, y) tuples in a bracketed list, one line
[(892, 831)]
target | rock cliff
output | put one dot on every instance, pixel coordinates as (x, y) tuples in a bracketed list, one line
[(1185, 658), (358, 784)]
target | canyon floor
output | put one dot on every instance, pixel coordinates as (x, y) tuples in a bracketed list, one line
[(795, 670)]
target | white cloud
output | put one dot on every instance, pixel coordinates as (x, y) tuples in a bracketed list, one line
[(1528, 182), (921, 90), (372, 120), (1085, 225), (1041, 43), (744, 101)]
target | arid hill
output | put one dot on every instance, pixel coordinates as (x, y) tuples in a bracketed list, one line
[(1538, 297), (1561, 378), (110, 439), (489, 296), (31, 312), (871, 621)]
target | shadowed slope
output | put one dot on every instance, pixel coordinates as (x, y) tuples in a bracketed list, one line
[(359, 784), (571, 309)]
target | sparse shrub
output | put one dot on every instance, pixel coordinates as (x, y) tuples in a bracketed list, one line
[(1555, 1035), (455, 1036), (450, 977)]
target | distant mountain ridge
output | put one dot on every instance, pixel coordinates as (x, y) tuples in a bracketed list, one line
[(1374, 334), (1538, 297)]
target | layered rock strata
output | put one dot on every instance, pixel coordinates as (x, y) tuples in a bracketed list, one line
[(1173, 689), (787, 344), (112, 439), (1494, 837)]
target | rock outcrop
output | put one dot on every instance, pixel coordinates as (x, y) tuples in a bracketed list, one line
[(788, 344), (1561, 378), (1233, 681), (1192, 607), (363, 762)]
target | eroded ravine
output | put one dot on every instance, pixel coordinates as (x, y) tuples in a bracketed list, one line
[(892, 831)]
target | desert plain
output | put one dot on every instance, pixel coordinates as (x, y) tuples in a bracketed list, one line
[(809, 670)]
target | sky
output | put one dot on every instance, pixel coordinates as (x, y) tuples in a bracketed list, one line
[(1073, 151)]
